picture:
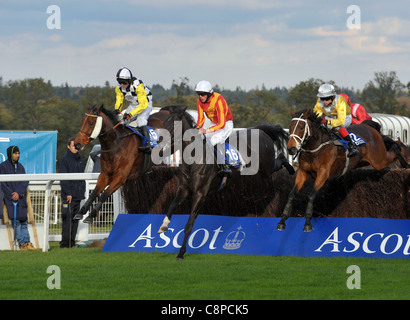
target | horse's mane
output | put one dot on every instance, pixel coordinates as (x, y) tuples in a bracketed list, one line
[(180, 111), (110, 114), (312, 116)]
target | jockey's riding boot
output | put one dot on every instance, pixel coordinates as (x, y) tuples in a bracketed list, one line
[(224, 169), (147, 147), (351, 147)]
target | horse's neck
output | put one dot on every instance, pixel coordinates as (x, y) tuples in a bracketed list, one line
[(318, 137), (108, 134)]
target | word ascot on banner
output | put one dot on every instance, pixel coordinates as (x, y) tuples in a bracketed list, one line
[(331, 237)]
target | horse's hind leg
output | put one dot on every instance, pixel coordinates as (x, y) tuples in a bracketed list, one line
[(181, 195)]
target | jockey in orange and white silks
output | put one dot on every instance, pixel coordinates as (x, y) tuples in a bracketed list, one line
[(215, 107), (139, 96), (335, 112)]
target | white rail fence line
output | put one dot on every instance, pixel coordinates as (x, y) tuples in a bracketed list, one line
[(49, 180)]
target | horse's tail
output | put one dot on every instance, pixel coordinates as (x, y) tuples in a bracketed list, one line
[(393, 146), (279, 136)]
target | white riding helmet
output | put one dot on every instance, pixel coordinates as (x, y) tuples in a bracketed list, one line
[(326, 90), (204, 86), (124, 74)]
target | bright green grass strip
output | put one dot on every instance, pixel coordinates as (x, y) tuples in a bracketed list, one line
[(88, 273)]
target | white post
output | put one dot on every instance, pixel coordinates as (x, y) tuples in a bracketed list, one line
[(46, 215)]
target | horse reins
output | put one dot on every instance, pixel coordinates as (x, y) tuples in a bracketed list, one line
[(306, 137), (96, 132), (87, 138)]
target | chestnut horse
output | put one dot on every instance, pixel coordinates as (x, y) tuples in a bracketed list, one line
[(322, 160), (120, 158)]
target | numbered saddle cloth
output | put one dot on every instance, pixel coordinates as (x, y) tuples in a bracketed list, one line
[(232, 156), (153, 136), (357, 140)]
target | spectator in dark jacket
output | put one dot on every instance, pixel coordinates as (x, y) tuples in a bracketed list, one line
[(72, 192), (15, 191)]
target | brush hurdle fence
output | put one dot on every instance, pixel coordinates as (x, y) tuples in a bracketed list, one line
[(45, 195)]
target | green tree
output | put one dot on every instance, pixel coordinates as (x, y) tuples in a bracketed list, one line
[(379, 95)]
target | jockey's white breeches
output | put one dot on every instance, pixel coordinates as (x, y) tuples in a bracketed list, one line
[(140, 119), (220, 135)]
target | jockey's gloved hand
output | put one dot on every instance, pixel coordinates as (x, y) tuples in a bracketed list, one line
[(126, 117), (323, 121), (116, 111)]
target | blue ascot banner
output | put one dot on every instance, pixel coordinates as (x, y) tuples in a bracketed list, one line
[(331, 237)]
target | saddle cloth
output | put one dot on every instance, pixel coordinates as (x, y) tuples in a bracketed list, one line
[(152, 133), (231, 157), (357, 140)]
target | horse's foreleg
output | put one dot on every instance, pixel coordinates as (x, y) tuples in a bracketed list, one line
[(300, 180), (181, 195), (102, 182), (196, 203), (93, 213), (117, 182), (319, 182), (309, 211), (285, 215)]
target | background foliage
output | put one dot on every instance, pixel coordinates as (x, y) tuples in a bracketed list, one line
[(35, 104)]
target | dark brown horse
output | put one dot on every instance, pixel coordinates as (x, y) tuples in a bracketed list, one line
[(321, 159), (264, 144), (120, 158)]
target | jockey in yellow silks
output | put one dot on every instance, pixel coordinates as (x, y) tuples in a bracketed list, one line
[(139, 96), (335, 112)]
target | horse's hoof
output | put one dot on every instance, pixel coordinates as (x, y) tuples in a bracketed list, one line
[(78, 216), (307, 228), (88, 220), (281, 226), (179, 258), (163, 229)]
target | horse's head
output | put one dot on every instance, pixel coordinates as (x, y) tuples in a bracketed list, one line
[(301, 128), (90, 128)]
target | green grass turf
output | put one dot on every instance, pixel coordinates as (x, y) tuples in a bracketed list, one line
[(88, 273)]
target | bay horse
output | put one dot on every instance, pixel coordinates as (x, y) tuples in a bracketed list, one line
[(201, 178), (120, 158), (320, 159)]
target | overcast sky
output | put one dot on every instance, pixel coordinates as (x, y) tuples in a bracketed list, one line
[(228, 42)]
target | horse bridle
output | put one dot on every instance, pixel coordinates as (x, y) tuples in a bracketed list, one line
[(306, 133), (96, 131), (306, 137)]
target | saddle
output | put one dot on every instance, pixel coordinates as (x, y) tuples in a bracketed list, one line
[(338, 139)]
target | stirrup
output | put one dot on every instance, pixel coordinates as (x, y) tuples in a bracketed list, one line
[(146, 148), (353, 151), (225, 170)]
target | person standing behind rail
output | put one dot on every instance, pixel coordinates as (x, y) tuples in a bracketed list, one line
[(72, 192), (15, 191)]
